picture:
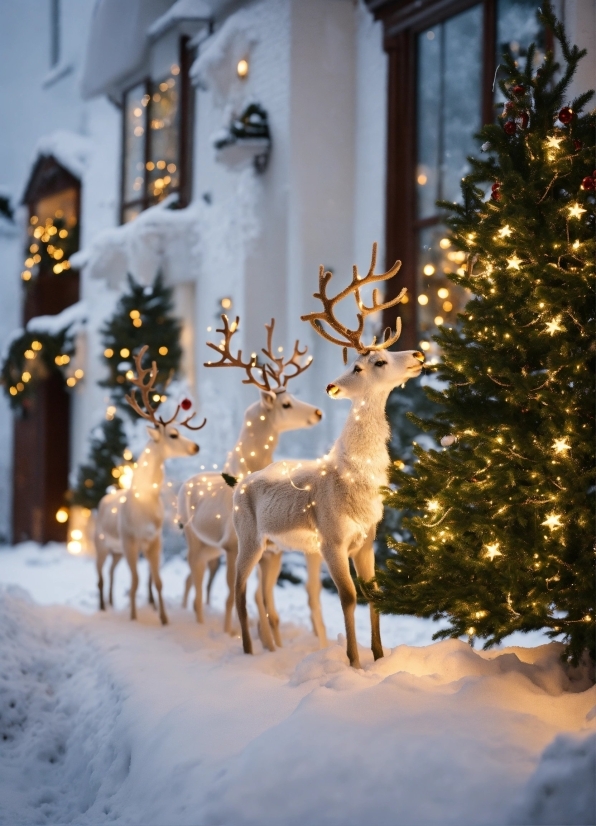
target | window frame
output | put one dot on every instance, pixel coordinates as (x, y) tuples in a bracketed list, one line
[(185, 132), (403, 21)]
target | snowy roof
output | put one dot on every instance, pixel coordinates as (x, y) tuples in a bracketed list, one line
[(182, 10), (117, 44), (70, 149)]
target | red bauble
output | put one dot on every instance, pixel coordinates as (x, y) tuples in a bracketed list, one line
[(525, 119), (588, 183), (510, 127), (565, 115), (518, 90), (509, 106), (495, 195), (496, 185), (577, 144), (186, 404)]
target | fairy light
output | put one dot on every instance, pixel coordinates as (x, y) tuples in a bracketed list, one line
[(492, 550), (552, 521), (513, 262), (561, 445), (505, 231), (62, 515), (554, 326), (433, 505), (576, 211)]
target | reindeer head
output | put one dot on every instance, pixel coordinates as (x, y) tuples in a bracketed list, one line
[(376, 370), (164, 433), (271, 377)]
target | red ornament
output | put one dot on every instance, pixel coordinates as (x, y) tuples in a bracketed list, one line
[(510, 127), (566, 115), (495, 195), (525, 119), (496, 185), (518, 90), (509, 106), (577, 144), (588, 183), (186, 404)]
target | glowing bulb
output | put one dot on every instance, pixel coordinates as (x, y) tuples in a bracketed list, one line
[(552, 521), (108, 353), (163, 351), (433, 505), (443, 292), (444, 243), (125, 352), (561, 445), (505, 231), (62, 515), (428, 269), (513, 262), (492, 550), (423, 299), (575, 211), (553, 326), (242, 68)]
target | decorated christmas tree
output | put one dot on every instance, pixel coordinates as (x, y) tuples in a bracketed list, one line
[(502, 524), (107, 454), (143, 316)]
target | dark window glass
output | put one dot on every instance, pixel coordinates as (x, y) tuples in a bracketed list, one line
[(449, 100), (517, 27), (153, 127)]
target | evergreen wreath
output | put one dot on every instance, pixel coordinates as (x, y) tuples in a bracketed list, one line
[(143, 316)]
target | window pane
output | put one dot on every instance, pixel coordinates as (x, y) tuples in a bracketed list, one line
[(449, 100), (517, 27), (135, 102), (164, 162), (429, 117)]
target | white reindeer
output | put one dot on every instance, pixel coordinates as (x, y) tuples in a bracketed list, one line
[(332, 505), (131, 521), (205, 500)]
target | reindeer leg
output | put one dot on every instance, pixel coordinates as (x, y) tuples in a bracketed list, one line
[(187, 587), (339, 568), (115, 560), (213, 569), (364, 562), (230, 574), (264, 627), (99, 561), (131, 550), (248, 555), (270, 577), (153, 555), (150, 598), (313, 589), (198, 572)]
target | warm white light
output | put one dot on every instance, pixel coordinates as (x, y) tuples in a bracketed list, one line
[(242, 68), (423, 299), (125, 478), (76, 534), (433, 505), (74, 547), (492, 550), (576, 211), (513, 262), (62, 515), (553, 326), (443, 292), (505, 232), (444, 243), (552, 521), (561, 445), (428, 269)]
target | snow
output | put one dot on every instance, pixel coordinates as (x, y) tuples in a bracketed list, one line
[(72, 318), (181, 11), (105, 720), (69, 148)]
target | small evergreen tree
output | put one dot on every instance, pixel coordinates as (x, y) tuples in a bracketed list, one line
[(106, 454), (503, 531), (143, 316)]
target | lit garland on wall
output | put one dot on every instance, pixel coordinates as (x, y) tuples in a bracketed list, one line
[(50, 245)]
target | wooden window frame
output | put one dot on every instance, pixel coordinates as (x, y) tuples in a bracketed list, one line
[(403, 21), (185, 133)]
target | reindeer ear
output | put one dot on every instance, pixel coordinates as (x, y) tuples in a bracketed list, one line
[(154, 433), (267, 399)]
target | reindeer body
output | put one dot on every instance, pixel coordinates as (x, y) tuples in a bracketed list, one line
[(131, 522), (205, 505), (332, 506), (107, 541)]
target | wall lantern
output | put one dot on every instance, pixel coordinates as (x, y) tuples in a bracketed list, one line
[(242, 68)]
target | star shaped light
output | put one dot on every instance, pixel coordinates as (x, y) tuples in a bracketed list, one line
[(553, 326), (513, 262), (561, 445), (492, 550), (552, 521), (505, 231), (553, 141), (576, 211), (433, 505)]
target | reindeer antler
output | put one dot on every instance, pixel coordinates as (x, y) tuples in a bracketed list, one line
[(277, 369), (146, 387), (229, 360), (353, 338)]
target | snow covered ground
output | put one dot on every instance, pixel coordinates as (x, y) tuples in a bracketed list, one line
[(107, 721)]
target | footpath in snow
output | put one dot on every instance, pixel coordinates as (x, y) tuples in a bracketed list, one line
[(106, 721)]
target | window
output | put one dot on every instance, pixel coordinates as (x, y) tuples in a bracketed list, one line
[(156, 141), (443, 58)]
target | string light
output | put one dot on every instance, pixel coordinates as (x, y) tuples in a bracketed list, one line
[(505, 231), (552, 521), (554, 326), (576, 211), (492, 550), (561, 445), (513, 262)]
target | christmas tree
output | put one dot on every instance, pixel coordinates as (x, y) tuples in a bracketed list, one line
[(502, 521), (143, 316), (107, 453)]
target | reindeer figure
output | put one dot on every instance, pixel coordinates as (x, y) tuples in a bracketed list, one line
[(205, 500), (332, 505), (134, 523)]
